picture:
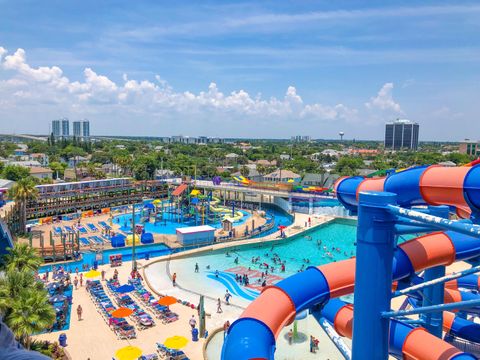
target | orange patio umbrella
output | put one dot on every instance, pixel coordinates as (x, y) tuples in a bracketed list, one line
[(167, 300), (122, 312)]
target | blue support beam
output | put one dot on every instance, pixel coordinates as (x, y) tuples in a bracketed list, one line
[(436, 221), (434, 308), (438, 280), (373, 275)]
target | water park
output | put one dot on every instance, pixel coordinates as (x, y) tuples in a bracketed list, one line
[(245, 276)]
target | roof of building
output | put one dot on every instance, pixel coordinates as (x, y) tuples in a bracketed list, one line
[(40, 170), (232, 155), (312, 177), (284, 174), (266, 162), (195, 229)]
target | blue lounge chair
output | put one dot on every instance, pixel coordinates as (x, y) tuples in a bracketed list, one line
[(84, 241), (92, 227)]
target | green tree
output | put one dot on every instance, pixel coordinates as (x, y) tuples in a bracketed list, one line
[(245, 171), (29, 314), (58, 168), (348, 166), (22, 192), (22, 257), (15, 172)]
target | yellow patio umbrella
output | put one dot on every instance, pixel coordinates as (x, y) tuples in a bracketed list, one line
[(157, 201), (92, 274), (128, 353), (176, 342)]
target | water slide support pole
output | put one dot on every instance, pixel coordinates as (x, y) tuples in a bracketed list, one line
[(433, 295), (373, 275)]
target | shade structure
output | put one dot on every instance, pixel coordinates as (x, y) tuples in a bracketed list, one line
[(118, 240), (128, 353), (122, 312), (92, 274), (281, 227), (124, 289), (167, 300), (176, 342), (147, 238)]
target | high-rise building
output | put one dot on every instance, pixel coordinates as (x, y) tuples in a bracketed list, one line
[(81, 129), (61, 128), (401, 135)]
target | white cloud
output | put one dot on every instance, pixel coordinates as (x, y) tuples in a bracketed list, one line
[(49, 91), (384, 100)]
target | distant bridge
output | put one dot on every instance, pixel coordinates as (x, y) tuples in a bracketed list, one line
[(22, 137)]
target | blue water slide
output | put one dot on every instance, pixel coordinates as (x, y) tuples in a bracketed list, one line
[(347, 192), (471, 190), (406, 184), (304, 297)]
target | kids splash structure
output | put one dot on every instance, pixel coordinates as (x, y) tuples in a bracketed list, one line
[(414, 201), (190, 206)]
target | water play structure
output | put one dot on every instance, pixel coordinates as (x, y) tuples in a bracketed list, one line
[(188, 205), (418, 200)]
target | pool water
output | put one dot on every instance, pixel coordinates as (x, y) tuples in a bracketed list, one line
[(150, 250), (168, 225), (298, 253)]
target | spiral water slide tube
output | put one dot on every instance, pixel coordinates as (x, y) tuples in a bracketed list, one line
[(253, 335)]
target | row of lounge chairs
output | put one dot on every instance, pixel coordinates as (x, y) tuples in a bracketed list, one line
[(142, 319), (146, 297), (170, 354), (123, 330)]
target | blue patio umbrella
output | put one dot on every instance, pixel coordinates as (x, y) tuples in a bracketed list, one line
[(53, 285), (124, 289), (58, 298), (149, 206), (59, 276)]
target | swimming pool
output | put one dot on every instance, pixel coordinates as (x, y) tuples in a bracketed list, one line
[(88, 257), (298, 253), (295, 252)]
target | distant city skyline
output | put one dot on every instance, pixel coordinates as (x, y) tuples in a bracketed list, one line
[(242, 68)]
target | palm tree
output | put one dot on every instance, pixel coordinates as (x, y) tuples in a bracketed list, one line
[(12, 283), (29, 314), (22, 257), (22, 192)]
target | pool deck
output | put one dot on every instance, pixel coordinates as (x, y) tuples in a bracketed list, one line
[(92, 339), (168, 239)]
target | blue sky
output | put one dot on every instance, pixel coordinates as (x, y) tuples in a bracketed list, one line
[(250, 68)]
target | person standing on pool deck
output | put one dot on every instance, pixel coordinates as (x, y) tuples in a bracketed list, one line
[(290, 336), (193, 322), (196, 267), (174, 279), (219, 306), (227, 297), (79, 312)]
